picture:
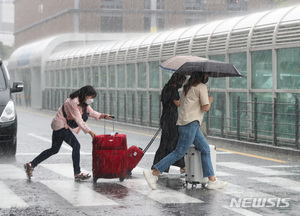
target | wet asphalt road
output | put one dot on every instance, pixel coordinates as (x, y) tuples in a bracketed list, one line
[(260, 182)]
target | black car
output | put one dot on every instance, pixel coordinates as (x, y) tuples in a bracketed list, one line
[(8, 116)]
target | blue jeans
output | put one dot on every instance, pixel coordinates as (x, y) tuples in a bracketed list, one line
[(189, 134), (57, 139)]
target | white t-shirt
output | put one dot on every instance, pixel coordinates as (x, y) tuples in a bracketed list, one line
[(190, 104)]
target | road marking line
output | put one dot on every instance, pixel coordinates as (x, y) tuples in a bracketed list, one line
[(9, 171), (251, 155), (224, 152), (9, 199), (64, 145), (162, 194), (175, 171), (256, 169), (242, 211), (282, 166), (78, 194), (281, 182), (219, 173), (65, 170), (242, 192)]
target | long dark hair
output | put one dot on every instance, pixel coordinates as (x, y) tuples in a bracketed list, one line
[(176, 79), (195, 79), (82, 93)]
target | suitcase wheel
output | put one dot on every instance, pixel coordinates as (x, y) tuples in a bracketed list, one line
[(129, 174), (185, 184), (95, 179), (194, 185), (121, 179)]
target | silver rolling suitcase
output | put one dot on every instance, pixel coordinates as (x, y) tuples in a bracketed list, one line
[(193, 166)]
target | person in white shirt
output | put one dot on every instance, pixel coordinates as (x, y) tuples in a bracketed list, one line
[(194, 101)]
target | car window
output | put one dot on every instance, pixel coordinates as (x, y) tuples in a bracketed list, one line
[(2, 80)]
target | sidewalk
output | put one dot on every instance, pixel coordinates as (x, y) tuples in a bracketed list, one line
[(223, 142)]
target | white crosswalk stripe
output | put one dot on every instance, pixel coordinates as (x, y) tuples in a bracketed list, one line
[(71, 191), (281, 182), (242, 211), (9, 199), (241, 192), (252, 168), (164, 195), (65, 170), (9, 171)]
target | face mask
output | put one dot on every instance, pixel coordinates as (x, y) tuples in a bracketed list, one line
[(89, 101)]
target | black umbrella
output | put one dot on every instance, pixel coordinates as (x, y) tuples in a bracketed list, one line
[(211, 67)]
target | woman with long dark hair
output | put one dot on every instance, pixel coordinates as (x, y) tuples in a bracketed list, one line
[(169, 133), (194, 101), (70, 117)]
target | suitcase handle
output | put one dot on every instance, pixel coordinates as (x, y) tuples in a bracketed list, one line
[(113, 133), (113, 118), (152, 140)]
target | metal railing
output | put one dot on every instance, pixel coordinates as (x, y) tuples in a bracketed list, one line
[(272, 123), (265, 122)]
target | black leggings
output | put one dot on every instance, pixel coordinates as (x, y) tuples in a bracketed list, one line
[(57, 139)]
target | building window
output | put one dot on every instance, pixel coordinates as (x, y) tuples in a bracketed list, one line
[(160, 22), (112, 76), (147, 4), (131, 76), (154, 74), (217, 83), (63, 78), (262, 69), (111, 24), (75, 77), (112, 4), (57, 77), (81, 74), (103, 76), (239, 60), (95, 75), (195, 4), (288, 68), (69, 77), (142, 75), (121, 76), (160, 4), (147, 23), (236, 5)]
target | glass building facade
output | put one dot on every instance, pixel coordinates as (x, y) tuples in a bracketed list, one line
[(263, 46)]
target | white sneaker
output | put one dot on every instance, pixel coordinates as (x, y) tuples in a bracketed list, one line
[(218, 183), (151, 179)]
